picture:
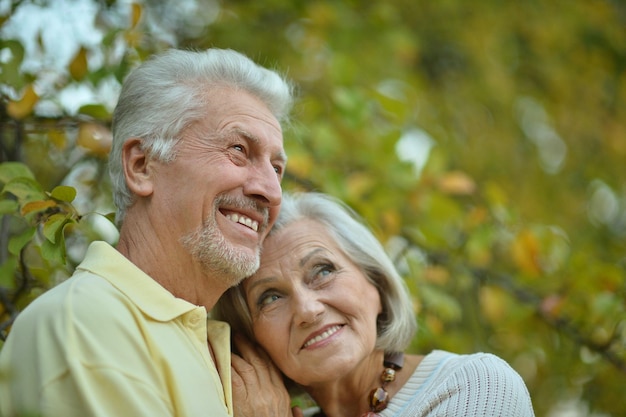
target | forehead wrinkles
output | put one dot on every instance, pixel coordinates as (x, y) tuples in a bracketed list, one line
[(230, 108), (246, 110), (289, 259), (300, 239)]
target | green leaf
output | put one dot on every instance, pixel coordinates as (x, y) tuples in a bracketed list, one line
[(7, 273), (25, 189), (16, 243), (53, 227), (10, 68), (110, 217), (64, 193), (446, 306), (43, 275), (8, 207), (12, 170), (53, 253), (97, 111)]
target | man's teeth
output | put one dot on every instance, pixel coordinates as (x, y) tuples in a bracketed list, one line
[(322, 336), (246, 221)]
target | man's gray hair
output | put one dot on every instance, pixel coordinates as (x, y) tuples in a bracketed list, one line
[(169, 91)]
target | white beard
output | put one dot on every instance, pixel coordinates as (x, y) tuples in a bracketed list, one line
[(217, 255)]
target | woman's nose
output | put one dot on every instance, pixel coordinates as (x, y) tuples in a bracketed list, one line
[(308, 308)]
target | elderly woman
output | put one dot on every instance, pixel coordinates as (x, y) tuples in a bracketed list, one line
[(333, 314)]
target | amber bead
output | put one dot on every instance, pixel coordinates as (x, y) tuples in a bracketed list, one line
[(378, 399), (388, 375)]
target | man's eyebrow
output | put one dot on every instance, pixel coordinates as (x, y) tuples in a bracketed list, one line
[(243, 133), (280, 156)]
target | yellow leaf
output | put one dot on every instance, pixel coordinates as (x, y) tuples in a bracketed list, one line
[(391, 221), (133, 38), (457, 183), (95, 138), (436, 274), (37, 206), (24, 106), (57, 138), (300, 164), (358, 184), (434, 324), (525, 252), (492, 303), (136, 15), (78, 66)]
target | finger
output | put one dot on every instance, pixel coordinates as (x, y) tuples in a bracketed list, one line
[(253, 399), (297, 412), (245, 372), (238, 383), (248, 350), (274, 374), (257, 358)]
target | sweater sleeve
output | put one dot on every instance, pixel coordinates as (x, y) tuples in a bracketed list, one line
[(478, 385)]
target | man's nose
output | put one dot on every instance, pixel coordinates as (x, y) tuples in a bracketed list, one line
[(264, 185)]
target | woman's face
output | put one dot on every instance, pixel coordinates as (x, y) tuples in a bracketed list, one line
[(312, 309)]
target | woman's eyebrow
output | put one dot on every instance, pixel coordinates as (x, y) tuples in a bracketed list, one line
[(261, 281), (311, 254)]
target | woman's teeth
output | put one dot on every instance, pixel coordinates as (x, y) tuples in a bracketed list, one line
[(322, 336)]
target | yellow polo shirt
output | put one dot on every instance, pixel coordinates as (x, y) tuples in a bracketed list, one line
[(110, 341)]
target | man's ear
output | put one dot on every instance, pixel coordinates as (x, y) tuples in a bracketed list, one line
[(136, 163)]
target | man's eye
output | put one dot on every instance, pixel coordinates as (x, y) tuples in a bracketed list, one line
[(239, 148)]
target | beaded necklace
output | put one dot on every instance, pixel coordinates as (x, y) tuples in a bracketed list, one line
[(379, 397)]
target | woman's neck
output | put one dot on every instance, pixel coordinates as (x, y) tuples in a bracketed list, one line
[(348, 396)]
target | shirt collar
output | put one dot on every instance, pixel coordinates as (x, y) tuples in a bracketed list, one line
[(149, 296)]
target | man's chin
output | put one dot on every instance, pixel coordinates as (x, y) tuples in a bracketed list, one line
[(223, 258), (235, 266)]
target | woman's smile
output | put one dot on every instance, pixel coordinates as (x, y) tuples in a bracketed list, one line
[(322, 337)]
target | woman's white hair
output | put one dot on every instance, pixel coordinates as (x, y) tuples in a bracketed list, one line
[(396, 324), (168, 92)]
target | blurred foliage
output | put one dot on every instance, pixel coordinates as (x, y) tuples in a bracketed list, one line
[(483, 141)]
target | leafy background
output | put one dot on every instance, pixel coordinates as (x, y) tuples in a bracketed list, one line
[(483, 141)]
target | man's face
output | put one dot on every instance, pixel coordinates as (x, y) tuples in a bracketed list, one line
[(222, 193)]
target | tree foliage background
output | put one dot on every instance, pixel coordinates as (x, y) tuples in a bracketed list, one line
[(484, 141)]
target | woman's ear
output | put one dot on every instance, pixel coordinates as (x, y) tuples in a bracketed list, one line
[(135, 163)]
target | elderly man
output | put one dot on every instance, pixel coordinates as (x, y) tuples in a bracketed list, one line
[(196, 165)]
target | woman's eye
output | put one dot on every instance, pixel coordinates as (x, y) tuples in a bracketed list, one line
[(267, 299), (323, 271)]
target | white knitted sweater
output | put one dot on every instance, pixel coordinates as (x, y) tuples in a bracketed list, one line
[(476, 385), (449, 385)]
